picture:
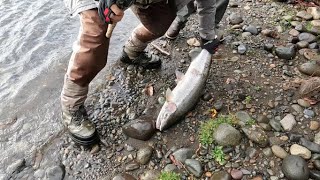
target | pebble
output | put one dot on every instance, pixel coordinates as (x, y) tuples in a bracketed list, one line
[(313, 46), (288, 122), (236, 174), (144, 155), (141, 129), (268, 47), (310, 38), (267, 152), (256, 134), (279, 151), (295, 168), (243, 116), (235, 18), (295, 137), (55, 173), (95, 149), (308, 113), (314, 11), (302, 44), (314, 147), (194, 166), (315, 23), (303, 103), (221, 175), (150, 175), (304, 15), (286, 53), (124, 176), (183, 154), (315, 174), (170, 168), (275, 125), (317, 138), (218, 105), (242, 49), (316, 164), (263, 119), (297, 108), (314, 125), (226, 135), (252, 29), (294, 32), (132, 166), (298, 150)]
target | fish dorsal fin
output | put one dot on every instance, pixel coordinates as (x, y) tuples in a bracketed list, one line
[(179, 75), (169, 95)]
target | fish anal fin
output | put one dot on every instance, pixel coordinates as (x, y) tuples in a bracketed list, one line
[(179, 75), (169, 95)]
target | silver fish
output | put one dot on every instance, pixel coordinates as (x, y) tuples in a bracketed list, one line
[(186, 93)]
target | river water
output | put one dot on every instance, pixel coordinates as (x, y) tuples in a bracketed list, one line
[(35, 44)]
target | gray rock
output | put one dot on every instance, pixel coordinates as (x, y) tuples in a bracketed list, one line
[(242, 49), (39, 173), (304, 15), (288, 122), (265, 127), (286, 53), (295, 137), (275, 125), (226, 135), (313, 46), (314, 174), (308, 113), (144, 155), (150, 175), (317, 138), (294, 32), (263, 119), (316, 164), (194, 166), (55, 173), (183, 154), (221, 175), (16, 167), (279, 151), (235, 18), (298, 150), (132, 166), (243, 116), (124, 176), (142, 129), (314, 147), (256, 134), (310, 38), (314, 30), (295, 168), (252, 29), (303, 103), (246, 35), (314, 11), (267, 152), (268, 47), (218, 105), (302, 44), (170, 168), (301, 27), (297, 108)]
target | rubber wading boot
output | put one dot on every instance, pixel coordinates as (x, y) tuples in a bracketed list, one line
[(174, 29), (145, 60), (81, 130)]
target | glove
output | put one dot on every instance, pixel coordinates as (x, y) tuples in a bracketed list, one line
[(105, 11), (210, 45)]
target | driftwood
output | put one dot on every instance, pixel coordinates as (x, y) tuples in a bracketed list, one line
[(160, 49)]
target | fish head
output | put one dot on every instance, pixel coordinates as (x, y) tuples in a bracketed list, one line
[(166, 116)]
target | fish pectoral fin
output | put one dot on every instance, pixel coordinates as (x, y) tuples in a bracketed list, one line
[(169, 95), (172, 107), (179, 76)]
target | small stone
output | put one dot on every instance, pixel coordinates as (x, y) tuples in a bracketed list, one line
[(252, 29), (183, 154), (279, 151), (226, 135), (267, 152), (314, 11), (297, 108), (286, 53), (246, 35), (150, 175), (310, 38), (275, 125), (256, 134), (304, 15), (263, 119), (314, 125), (294, 32), (55, 173), (144, 155), (193, 42), (257, 178), (132, 166), (235, 18), (302, 44), (124, 176), (142, 129), (317, 138), (314, 147), (288, 122), (315, 174), (207, 97), (194, 166), (218, 105), (221, 175), (315, 23), (95, 149), (243, 116), (295, 168), (242, 49), (268, 47), (298, 150), (308, 113), (313, 45), (170, 168), (295, 137), (303, 103), (316, 164), (310, 68), (236, 174)]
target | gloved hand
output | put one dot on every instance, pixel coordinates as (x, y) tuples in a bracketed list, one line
[(210, 45), (109, 11)]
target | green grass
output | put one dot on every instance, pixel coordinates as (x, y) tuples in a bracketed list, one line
[(248, 99), (219, 155), (169, 176), (309, 26), (207, 128), (251, 122)]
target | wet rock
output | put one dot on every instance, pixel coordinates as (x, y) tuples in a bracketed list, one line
[(194, 52), (308, 113), (315, 174), (317, 138), (256, 134), (243, 116), (236, 174), (132, 166), (144, 155), (310, 68), (302, 44), (263, 119), (313, 46), (226, 135), (139, 129), (298, 150), (287, 53), (316, 164), (194, 166), (314, 11), (170, 168), (252, 29), (235, 18), (304, 15), (267, 152), (310, 38), (297, 108), (314, 147), (150, 175), (183, 154), (124, 176), (218, 105), (275, 125), (279, 151), (295, 137), (294, 32), (242, 49), (16, 167), (295, 168), (288, 122), (55, 173), (303, 103), (268, 47), (221, 175)]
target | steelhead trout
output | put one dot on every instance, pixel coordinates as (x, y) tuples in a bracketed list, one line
[(187, 92)]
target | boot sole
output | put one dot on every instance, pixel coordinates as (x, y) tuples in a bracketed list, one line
[(94, 139)]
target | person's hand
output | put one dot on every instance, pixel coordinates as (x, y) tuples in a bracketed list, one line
[(109, 12), (210, 45)]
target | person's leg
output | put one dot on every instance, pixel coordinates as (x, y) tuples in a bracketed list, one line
[(180, 21), (155, 20), (221, 9), (88, 58)]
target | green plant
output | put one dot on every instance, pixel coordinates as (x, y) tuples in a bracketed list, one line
[(207, 128), (257, 88), (309, 26), (248, 99), (219, 155), (250, 122), (169, 176)]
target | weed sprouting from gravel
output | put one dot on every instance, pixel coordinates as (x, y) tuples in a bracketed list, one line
[(219, 155), (169, 176)]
